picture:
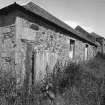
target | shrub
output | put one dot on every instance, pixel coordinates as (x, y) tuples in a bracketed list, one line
[(7, 87), (70, 82), (63, 76), (76, 85)]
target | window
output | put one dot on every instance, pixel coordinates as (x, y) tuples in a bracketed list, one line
[(72, 48), (86, 51)]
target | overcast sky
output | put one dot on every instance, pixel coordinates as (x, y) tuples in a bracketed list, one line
[(90, 14)]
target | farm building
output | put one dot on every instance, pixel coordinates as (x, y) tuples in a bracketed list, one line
[(31, 39), (99, 40)]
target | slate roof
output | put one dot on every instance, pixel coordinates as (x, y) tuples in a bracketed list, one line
[(98, 38), (34, 9), (96, 35), (85, 33), (91, 36)]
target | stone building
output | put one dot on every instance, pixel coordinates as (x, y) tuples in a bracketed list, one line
[(31, 39), (85, 33), (99, 40)]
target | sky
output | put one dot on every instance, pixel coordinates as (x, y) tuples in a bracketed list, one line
[(90, 14)]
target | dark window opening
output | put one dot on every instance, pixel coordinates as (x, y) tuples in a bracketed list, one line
[(86, 51), (72, 48)]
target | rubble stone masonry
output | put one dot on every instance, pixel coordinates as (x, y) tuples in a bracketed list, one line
[(48, 43), (7, 48), (23, 36)]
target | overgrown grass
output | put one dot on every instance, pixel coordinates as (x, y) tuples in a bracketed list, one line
[(73, 84), (80, 83)]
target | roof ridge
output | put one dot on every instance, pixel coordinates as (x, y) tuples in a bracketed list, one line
[(37, 10), (43, 10)]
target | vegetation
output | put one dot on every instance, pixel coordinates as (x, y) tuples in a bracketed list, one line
[(69, 84)]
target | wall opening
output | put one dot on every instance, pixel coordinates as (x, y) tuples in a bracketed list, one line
[(72, 48), (33, 60), (86, 51)]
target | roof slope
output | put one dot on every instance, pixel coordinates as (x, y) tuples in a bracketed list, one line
[(85, 33), (98, 38), (96, 35), (33, 8), (43, 13)]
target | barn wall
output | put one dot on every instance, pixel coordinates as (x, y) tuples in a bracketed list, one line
[(7, 48), (7, 42), (48, 49), (79, 51), (90, 52), (49, 43)]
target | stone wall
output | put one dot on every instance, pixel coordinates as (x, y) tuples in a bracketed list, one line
[(49, 44), (90, 52), (22, 35), (79, 51), (7, 49), (7, 43)]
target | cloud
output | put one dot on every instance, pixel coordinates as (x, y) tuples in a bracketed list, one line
[(9, 2), (73, 24), (23, 2), (88, 29)]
